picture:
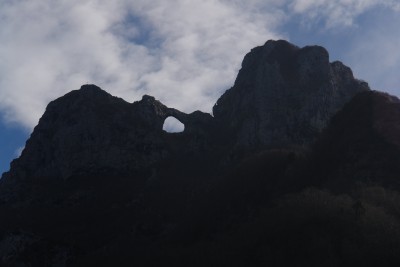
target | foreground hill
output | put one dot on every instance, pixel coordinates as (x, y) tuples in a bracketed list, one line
[(298, 166)]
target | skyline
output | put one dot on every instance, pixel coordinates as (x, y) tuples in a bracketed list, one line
[(184, 54)]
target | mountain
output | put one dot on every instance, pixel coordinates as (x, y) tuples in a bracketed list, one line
[(362, 143), (284, 96), (297, 165)]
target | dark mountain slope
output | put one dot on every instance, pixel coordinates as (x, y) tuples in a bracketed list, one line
[(362, 144), (298, 167)]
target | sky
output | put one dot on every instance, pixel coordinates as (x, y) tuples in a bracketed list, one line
[(185, 53)]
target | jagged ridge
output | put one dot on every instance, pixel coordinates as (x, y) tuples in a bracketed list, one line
[(283, 96), (298, 166)]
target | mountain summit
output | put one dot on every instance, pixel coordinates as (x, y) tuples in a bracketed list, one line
[(283, 96), (297, 166)]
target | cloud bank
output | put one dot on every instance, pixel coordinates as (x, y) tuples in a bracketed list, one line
[(185, 53), (335, 13)]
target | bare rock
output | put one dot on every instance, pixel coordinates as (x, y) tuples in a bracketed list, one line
[(284, 96)]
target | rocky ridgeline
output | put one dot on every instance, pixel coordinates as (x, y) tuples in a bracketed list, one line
[(283, 96), (88, 131), (298, 165)]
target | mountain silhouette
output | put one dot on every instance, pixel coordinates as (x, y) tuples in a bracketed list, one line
[(297, 166)]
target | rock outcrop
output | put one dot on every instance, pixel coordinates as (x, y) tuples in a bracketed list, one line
[(284, 96), (99, 182), (88, 131)]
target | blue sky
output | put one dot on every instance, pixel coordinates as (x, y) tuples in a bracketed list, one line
[(185, 53)]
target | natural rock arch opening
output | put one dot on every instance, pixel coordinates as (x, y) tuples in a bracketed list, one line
[(173, 125)]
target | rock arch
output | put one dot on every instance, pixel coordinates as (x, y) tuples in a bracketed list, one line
[(173, 125)]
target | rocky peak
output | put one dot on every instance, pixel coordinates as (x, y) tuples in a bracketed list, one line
[(284, 96), (88, 131), (100, 183)]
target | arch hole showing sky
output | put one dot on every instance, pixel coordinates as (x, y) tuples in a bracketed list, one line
[(172, 125)]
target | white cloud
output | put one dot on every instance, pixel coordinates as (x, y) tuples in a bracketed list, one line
[(172, 125), (18, 152), (334, 13), (183, 53)]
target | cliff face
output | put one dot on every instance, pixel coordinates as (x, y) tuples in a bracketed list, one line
[(283, 96), (88, 131)]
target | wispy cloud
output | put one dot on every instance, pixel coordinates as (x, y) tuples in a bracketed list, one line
[(334, 13), (185, 53)]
